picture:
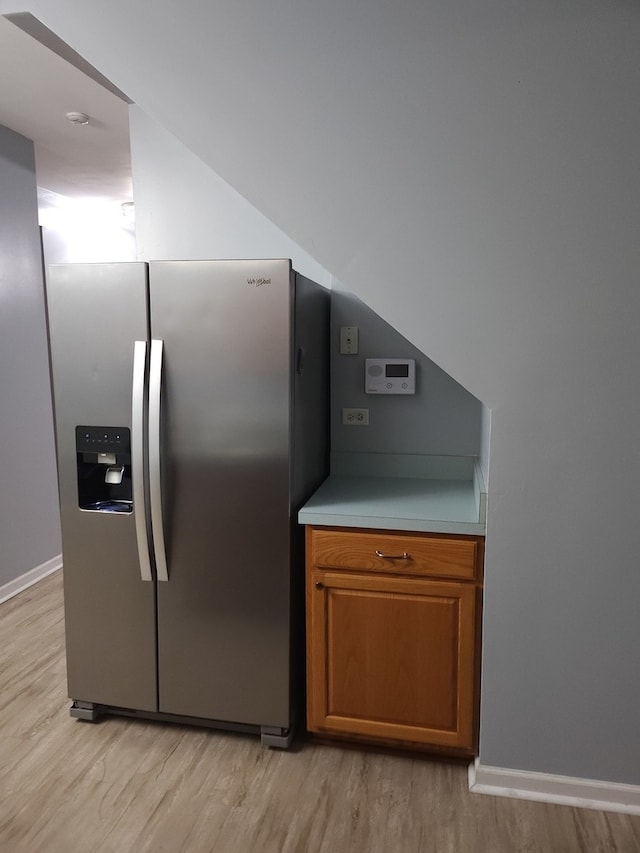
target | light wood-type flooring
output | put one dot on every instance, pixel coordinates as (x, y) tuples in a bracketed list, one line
[(129, 785)]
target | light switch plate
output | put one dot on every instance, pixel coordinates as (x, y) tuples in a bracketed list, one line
[(348, 340)]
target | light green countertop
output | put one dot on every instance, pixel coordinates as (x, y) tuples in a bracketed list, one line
[(440, 495)]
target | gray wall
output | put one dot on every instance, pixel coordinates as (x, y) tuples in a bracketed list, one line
[(441, 418), (29, 520), (469, 169), (184, 211), (214, 221)]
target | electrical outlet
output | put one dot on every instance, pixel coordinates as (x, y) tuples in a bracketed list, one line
[(355, 417)]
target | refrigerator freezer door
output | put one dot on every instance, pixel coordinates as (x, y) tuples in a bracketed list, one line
[(223, 617), (96, 312)]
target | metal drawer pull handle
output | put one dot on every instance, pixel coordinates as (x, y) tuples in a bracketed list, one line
[(403, 556), (319, 585)]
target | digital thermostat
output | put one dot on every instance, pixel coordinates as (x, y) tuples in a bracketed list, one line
[(390, 376)]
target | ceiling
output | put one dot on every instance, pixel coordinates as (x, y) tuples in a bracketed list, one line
[(39, 87)]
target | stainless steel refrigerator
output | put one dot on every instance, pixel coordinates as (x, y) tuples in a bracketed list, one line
[(191, 418)]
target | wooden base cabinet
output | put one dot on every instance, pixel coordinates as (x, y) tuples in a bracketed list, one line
[(392, 637)]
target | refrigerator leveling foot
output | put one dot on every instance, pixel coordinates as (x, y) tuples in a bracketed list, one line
[(85, 711), (277, 738)]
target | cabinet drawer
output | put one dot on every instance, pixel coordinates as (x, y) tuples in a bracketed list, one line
[(396, 553)]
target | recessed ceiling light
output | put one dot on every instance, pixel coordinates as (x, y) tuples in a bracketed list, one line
[(78, 118)]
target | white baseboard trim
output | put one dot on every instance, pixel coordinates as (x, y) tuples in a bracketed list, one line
[(19, 584), (559, 790)]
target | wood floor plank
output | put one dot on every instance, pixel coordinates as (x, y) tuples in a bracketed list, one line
[(125, 785)]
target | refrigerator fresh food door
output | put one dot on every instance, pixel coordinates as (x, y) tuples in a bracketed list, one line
[(223, 615), (96, 313)]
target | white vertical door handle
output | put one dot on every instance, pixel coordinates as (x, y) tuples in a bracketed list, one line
[(155, 479), (137, 457)]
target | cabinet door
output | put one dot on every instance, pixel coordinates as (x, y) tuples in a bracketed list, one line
[(391, 658)]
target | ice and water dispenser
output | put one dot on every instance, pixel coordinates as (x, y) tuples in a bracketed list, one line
[(103, 456)]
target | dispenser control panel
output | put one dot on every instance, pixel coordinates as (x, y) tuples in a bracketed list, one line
[(99, 439), (390, 376), (103, 461)]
